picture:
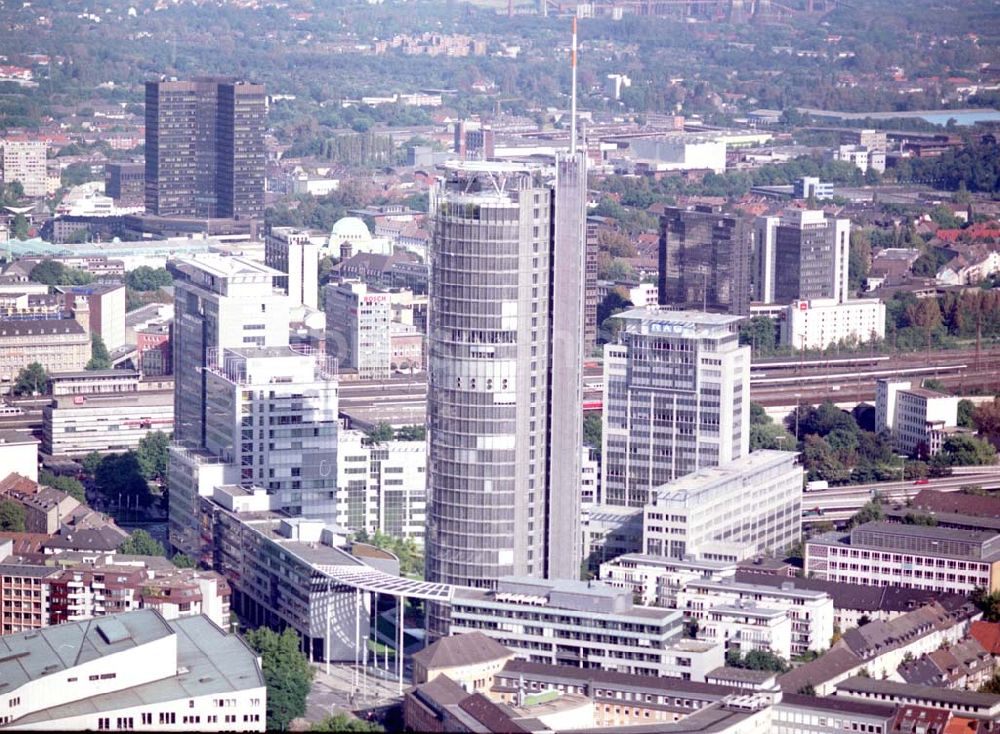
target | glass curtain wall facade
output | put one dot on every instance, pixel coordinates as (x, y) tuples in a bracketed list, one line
[(495, 503)]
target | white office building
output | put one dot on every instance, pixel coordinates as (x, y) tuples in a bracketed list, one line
[(586, 625), (676, 400), (218, 302), (913, 414), (357, 328), (382, 487), (74, 425), (765, 231), (809, 614), (681, 153), (272, 411), (804, 255), (131, 672), (297, 257), (744, 508), (822, 322), (949, 560)]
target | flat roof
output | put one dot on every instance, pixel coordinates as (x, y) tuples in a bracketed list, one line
[(926, 531), (224, 266), (758, 589), (909, 690), (209, 661), (711, 477), (650, 314), (16, 437), (150, 398)]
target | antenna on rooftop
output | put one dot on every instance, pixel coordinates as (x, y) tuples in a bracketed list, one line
[(572, 113)]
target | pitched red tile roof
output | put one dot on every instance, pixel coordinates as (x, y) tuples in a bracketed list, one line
[(987, 634)]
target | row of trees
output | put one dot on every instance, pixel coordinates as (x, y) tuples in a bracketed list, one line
[(384, 432)]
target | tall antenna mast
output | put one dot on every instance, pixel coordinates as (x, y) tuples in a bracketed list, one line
[(572, 113)]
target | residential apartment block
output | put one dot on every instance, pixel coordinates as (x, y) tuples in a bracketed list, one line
[(656, 580), (25, 161), (720, 605)]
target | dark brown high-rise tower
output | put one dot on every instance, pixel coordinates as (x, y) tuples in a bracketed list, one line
[(205, 148)]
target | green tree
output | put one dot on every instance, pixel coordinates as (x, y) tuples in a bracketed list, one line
[(380, 434), (411, 560), (860, 259), (119, 478), (183, 561), (152, 455), (758, 333), (989, 604), (411, 433), (141, 543), (11, 516), (100, 358), (90, 462), (964, 450), (966, 409), (69, 485), (20, 228), (287, 674), (31, 380), (986, 419), (344, 722), (592, 428), (53, 272), (145, 278), (757, 660), (871, 511), (992, 685)]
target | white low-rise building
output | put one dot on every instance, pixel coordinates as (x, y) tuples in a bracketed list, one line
[(656, 580), (133, 671), (584, 625), (18, 454), (747, 628), (820, 322), (810, 613), (915, 416), (741, 509), (78, 424)]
